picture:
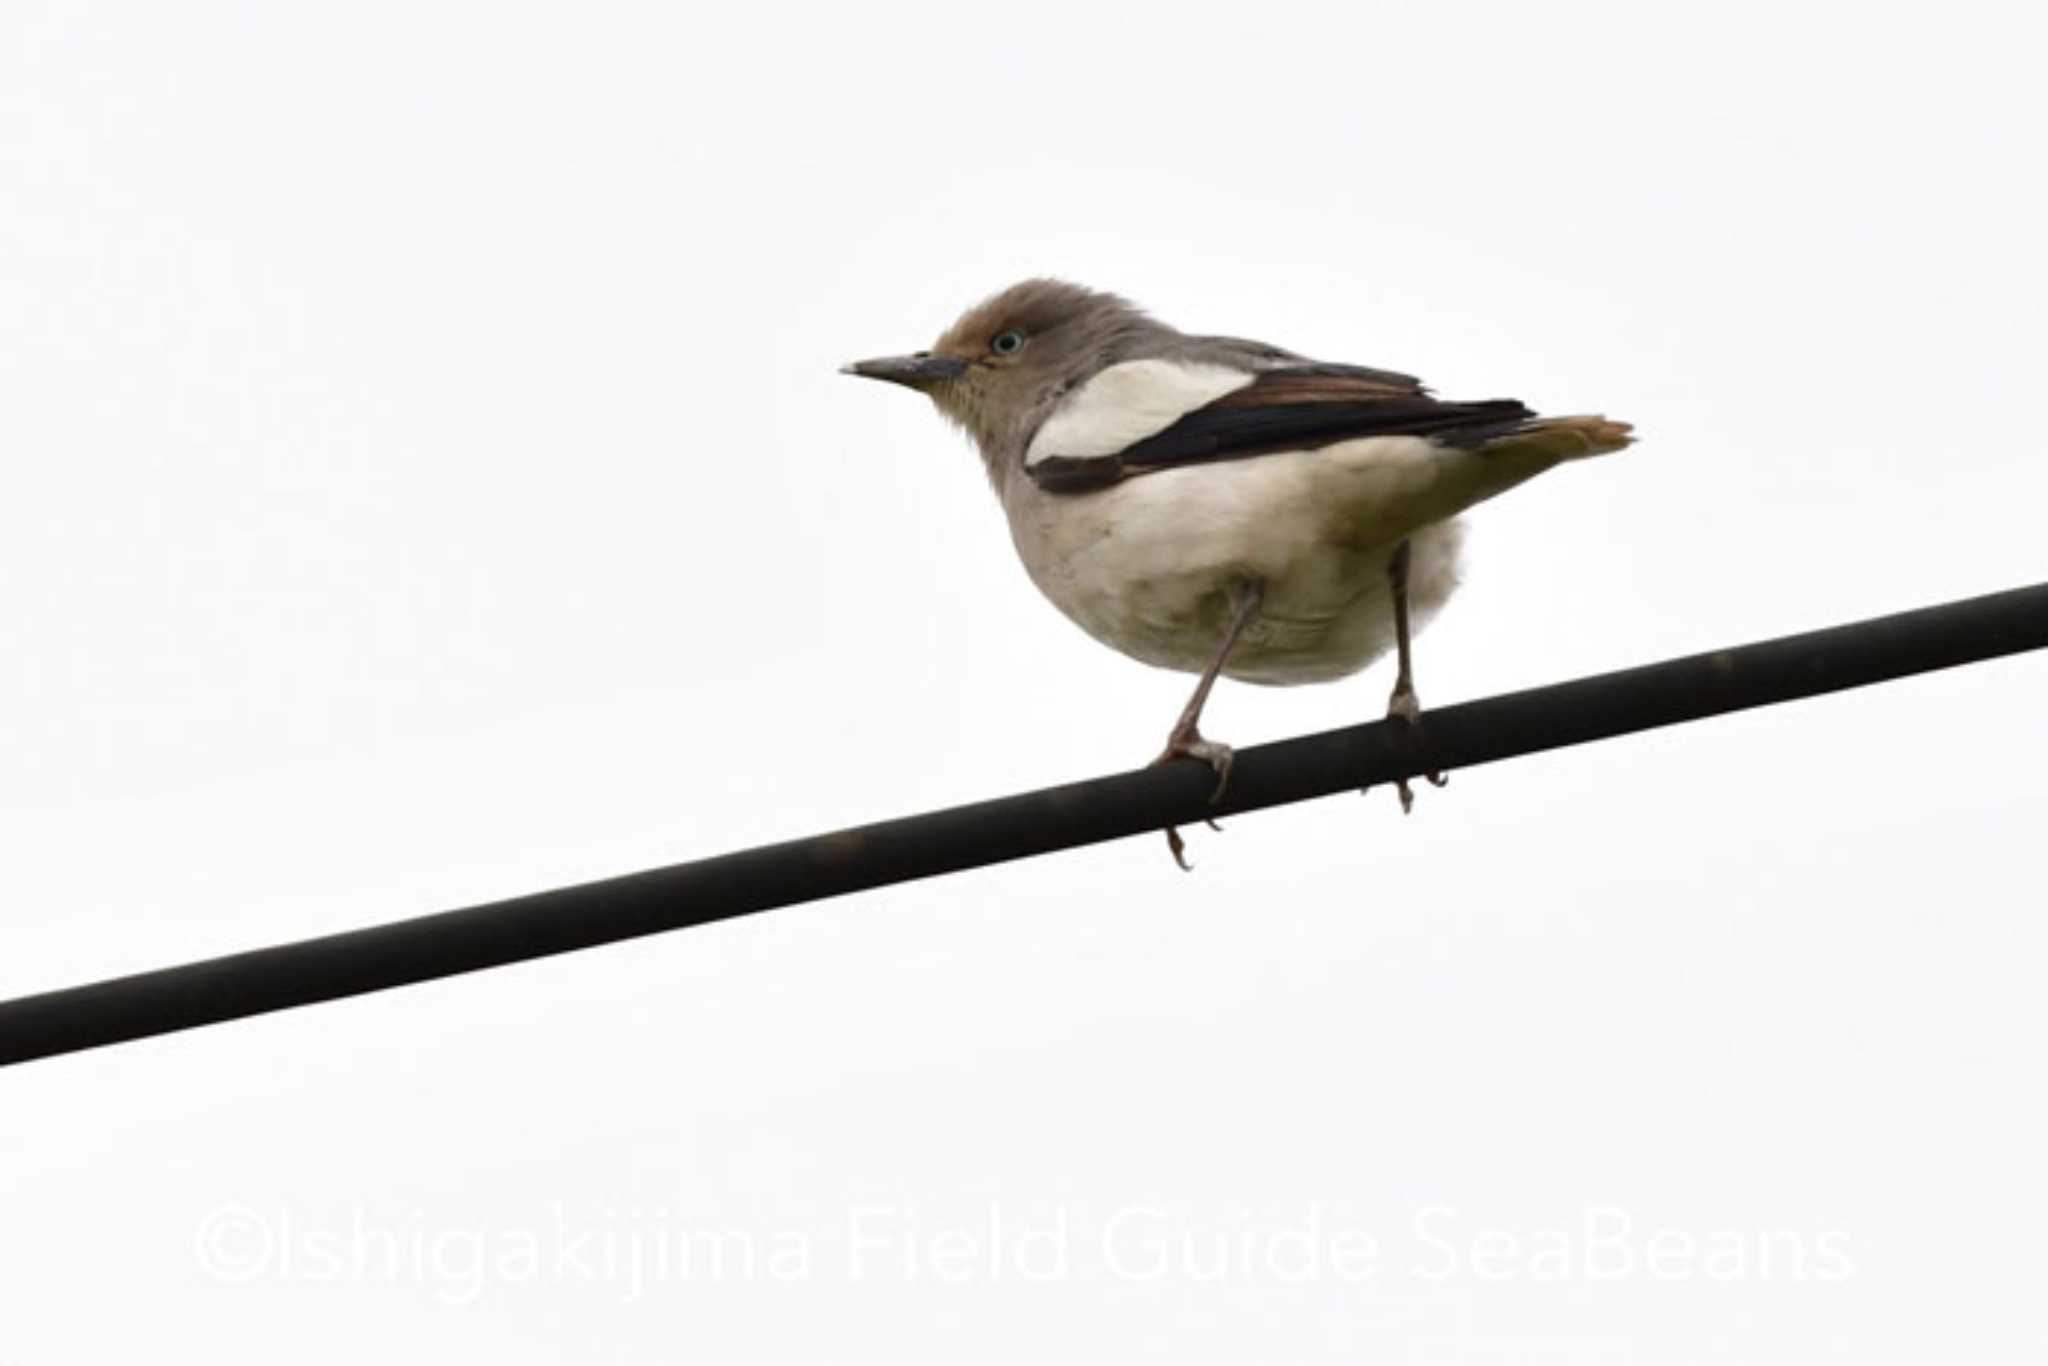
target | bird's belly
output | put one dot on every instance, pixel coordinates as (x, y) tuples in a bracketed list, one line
[(1149, 567)]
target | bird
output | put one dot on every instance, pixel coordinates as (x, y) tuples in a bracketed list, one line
[(1225, 507)]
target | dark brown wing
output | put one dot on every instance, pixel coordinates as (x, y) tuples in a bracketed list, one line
[(1295, 407)]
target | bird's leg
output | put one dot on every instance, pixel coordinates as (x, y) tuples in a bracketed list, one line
[(1185, 740), (1403, 705)]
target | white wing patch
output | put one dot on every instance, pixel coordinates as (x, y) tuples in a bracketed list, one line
[(1127, 403)]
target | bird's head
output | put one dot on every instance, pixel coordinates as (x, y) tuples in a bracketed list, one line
[(1006, 363)]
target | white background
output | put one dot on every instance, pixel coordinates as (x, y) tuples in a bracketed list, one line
[(426, 480)]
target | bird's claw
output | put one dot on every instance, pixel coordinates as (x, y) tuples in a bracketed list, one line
[(1178, 847), (1217, 756), (1407, 794), (1193, 746), (1405, 707)]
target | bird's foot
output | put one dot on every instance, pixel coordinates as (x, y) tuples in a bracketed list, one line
[(1407, 794), (1192, 746), (1189, 744), (1406, 708), (1404, 705)]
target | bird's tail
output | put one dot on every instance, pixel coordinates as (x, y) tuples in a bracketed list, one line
[(1557, 439)]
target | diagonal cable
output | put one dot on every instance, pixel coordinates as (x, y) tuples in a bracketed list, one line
[(1056, 818)]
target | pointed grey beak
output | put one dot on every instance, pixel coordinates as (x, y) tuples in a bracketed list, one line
[(920, 371)]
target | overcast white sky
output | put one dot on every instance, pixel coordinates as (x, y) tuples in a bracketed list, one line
[(427, 480)]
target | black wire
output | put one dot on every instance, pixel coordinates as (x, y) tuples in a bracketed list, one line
[(1040, 822)]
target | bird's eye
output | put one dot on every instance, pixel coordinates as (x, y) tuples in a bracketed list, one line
[(1007, 343)]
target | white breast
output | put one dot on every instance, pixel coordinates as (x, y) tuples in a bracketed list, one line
[(1127, 403)]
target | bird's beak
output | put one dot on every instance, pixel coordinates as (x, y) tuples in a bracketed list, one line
[(920, 371)]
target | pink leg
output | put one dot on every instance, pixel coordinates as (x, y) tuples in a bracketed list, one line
[(1185, 741), (1403, 704)]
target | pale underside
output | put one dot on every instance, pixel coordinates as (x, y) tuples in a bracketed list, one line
[(1147, 566)]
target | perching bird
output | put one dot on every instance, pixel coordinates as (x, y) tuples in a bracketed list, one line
[(1221, 506)]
